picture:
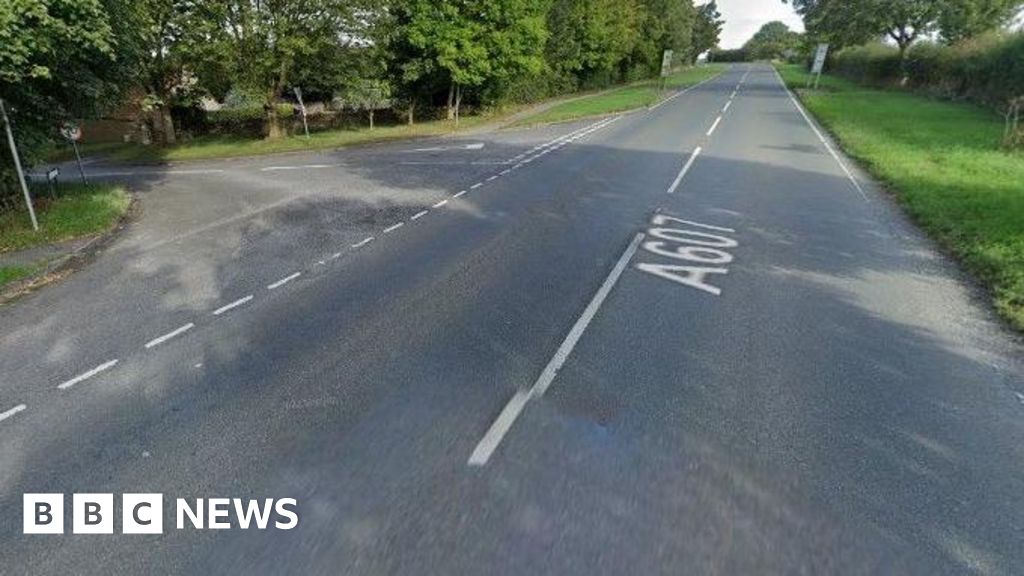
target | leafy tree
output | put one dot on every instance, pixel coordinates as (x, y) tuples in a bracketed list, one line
[(960, 19), (590, 39), (267, 44), (845, 23), (55, 58), (369, 96), (667, 25), (707, 28), (773, 40)]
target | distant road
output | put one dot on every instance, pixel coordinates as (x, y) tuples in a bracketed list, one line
[(688, 340)]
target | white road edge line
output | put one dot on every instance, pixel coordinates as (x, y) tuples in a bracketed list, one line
[(393, 227), (234, 304), (283, 281), (419, 214), (685, 169), (87, 375), (489, 443), (821, 137), (680, 93), (12, 412), (177, 331), (714, 126)]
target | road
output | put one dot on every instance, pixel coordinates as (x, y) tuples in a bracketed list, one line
[(687, 340)]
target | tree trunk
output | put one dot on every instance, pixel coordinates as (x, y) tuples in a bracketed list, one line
[(458, 103), (410, 113), (451, 99), (274, 129), (371, 119), (169, 136)]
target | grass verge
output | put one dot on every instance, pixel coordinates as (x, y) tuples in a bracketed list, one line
[(12, 273), (636, 95), (78, 211), (207, 147), (944, 163)]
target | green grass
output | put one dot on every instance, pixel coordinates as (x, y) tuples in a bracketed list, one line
[(78, 211), (10, 274), (207, 147), (636, 95), (944, 162)]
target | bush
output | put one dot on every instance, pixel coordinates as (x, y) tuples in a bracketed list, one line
[(988, 70), (737, 55), (247, 122)]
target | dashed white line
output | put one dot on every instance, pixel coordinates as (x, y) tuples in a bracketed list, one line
[(12, 412), (489, 443), (441, 203), (459, 194), (283, 281), (714, 126), (686, 168), (505, 171), (419, 215), (87, 375), (727, 105), (475, 186), (490, 178), (363, 242), (177, 331), (234, 304), (393, 227)]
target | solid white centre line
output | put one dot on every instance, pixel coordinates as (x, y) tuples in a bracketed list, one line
[(87, 375), (714, 126), (363, 242), (686, 168), (12, 412), (393, 227), (283, 281), (441, 203), (419, 215), (234, 304), (161, 339), (489, 443)]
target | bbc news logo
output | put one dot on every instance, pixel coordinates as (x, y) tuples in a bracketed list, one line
[(144, 513)]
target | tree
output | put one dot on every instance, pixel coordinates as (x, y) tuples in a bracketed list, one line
[(590, 39), (369, 96), (668, 25), (268, 43), (707, 27), (55, 59), (773, 40), (960, 19), (845, 23)]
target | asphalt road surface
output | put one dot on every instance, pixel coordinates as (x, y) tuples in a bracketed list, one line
[(687, 340)]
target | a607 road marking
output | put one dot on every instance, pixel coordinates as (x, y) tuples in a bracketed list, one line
[(700, 249)]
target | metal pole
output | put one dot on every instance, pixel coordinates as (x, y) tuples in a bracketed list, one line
[(81, 170), (17, 166)]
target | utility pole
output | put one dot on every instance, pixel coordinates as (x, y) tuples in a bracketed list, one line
[(17, 166)]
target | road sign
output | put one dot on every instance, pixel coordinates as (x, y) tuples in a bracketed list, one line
[(71, 131), (666, 63), (819, 59)]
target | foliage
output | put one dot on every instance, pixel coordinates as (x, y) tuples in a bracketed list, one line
[(773, 40), (733, 55), (707, 28)]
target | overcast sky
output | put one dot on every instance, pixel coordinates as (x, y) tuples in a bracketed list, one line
[(744, 17)]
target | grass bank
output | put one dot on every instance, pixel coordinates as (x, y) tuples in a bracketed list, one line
[(78, 211), (944, 163), (636, 95)]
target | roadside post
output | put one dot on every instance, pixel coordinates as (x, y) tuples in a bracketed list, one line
[(73, 133), (302, 109), (51, 179), (819, 64), (17, 166), (666, 67)]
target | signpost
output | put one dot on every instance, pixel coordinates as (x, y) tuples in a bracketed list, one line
[(666, 66), (17, 166), (819, 64), (51, 178), (73, 133), (302, 109)]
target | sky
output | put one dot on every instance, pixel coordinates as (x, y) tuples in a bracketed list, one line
[(744, 17)]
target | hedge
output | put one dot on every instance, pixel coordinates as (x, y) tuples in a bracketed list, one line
[(987, 70)]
